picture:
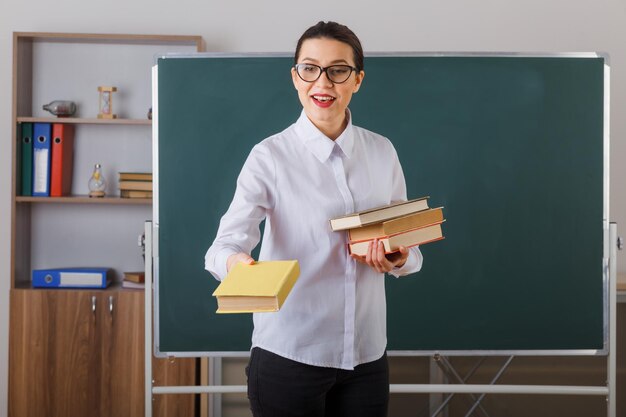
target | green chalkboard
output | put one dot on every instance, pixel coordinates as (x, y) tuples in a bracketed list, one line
[(512, 147)]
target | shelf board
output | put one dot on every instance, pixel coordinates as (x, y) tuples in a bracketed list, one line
[(122, 39), (83, 200), (78, 121), (114, 286)]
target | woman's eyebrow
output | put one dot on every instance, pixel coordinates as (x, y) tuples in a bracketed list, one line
[(336, 61)]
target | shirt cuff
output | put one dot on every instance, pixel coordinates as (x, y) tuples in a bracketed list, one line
[(413, 263), (217, 265)]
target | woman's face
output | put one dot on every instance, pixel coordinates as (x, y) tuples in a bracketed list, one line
[(325, 102)]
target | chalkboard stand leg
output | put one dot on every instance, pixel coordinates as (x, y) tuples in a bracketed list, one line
[(493, 381), (148, 343), (215, 378), (611, 382), (436, 376), (448, 369)]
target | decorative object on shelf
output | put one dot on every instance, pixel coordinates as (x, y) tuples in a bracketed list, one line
[(61, 108), (106, 102), (150, 113), (97, 184)]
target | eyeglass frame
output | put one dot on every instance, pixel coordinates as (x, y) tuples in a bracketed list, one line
[(325, 70)]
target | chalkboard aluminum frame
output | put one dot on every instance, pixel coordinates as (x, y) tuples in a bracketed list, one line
[(608, 309)]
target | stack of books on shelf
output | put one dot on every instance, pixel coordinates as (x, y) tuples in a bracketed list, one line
[(135, 184), (45, 159), (408, 223), (134, 280)]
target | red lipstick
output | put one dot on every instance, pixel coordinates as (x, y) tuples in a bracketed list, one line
[(323, 100)]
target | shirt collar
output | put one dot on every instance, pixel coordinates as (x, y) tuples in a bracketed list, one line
[(321, 145)]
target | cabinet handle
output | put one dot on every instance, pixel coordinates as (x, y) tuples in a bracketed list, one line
[(111, 305), (93, 304)]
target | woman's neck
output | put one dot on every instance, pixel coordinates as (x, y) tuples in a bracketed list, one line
[(333, 129)]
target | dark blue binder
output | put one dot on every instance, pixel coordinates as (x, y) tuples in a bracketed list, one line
[(41, 159), (72, 278)]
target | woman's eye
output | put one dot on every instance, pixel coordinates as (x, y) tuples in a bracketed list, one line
[(338, 71)]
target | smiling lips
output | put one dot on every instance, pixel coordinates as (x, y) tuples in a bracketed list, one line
[(323, 100)]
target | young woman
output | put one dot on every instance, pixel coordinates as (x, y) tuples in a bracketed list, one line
[(323, 353)]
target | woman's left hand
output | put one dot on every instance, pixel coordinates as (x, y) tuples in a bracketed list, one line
[(376, 258)]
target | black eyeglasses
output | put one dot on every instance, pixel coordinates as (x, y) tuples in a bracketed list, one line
[(336, 73)]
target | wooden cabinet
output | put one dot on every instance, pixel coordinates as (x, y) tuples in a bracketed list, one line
[(81, 352)]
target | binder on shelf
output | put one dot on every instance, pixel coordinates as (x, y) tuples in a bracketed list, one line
[(41, 159), (62, 159), (26, 159), (72, 278)]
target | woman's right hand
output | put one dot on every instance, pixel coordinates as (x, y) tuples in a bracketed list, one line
[(236, 258)]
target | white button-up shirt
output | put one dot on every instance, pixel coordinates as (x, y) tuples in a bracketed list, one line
[(335, 316)]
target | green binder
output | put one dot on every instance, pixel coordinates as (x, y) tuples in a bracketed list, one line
[(26, 166)]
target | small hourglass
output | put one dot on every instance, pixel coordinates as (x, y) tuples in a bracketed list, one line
[(97, 184), (106, 103)]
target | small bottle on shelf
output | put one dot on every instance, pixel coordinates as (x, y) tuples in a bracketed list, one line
[(97, 184), (61, 108)]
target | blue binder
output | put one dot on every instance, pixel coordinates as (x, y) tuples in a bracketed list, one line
[(72, 278), (41, 159)]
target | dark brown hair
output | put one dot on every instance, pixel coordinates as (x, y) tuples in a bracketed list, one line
[(336, 31)]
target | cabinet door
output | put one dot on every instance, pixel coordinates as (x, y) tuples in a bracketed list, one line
[(122, 354), (123, 361), (54, 362)]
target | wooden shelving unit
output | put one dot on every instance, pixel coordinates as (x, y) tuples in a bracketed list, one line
[(80, 351)]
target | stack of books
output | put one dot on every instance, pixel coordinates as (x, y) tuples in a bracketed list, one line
[(134, 280), (135, 184), (408, 223)]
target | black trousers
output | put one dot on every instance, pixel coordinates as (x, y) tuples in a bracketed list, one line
[(280, 387)]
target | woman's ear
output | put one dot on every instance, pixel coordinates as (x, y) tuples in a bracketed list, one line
[(294, 77), (359, 79)]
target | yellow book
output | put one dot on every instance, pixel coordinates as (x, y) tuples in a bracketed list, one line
[(260, 287)]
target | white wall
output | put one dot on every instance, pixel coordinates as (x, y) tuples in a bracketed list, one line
[(275, 25)]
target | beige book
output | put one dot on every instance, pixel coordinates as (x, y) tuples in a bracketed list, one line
[(397, 225), (392, 243), (379, 214), (136, 185), (135, 176)]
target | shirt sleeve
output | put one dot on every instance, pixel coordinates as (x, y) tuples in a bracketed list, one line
[(239, 227), (415, 259)]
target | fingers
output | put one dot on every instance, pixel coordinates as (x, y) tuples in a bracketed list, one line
[(403, 253), (238, 257), (376, 258)]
